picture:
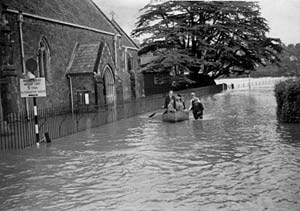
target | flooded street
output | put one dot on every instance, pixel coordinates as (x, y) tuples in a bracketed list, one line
[(237, 158)]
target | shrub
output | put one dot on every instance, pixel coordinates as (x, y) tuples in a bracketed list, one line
[(287, 95)]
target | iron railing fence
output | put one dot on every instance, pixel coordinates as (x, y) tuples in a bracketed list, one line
[(18, 129)]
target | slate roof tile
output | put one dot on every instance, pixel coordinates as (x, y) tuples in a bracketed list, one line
[(85, 58), (81, 12)]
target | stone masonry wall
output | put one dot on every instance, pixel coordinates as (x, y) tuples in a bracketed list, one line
[(61, 40)]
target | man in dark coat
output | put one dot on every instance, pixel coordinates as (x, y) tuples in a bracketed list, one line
[(196, 107), (168, 99)]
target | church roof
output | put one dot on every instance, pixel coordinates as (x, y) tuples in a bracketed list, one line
[(126, 40), (85, 58), (81, 12)]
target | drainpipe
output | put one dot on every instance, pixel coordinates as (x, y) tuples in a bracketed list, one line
[(20, 23), (71, 92), (126, 67), (116, 49)]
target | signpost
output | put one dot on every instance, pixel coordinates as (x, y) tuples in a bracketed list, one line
[(35, 87)]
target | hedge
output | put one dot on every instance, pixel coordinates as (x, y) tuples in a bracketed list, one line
[(287, 95)]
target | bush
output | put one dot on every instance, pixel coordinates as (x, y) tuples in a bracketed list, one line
[(287, 95)]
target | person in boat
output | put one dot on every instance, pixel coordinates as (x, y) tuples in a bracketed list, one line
[(168, 99), (181, 97), (179, 104), (171, 107), (196, 107)]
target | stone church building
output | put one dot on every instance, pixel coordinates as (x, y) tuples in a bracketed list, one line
[(85, 57)]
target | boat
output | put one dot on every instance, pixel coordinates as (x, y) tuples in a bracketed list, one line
[(177, 116)]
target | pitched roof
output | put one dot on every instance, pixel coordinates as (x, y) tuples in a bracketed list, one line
[(81, 12), (126, 40), (85, 58)]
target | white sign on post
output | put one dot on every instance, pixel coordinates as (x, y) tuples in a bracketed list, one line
[(33, 87)]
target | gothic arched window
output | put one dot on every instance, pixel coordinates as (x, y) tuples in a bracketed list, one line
[(43, 58)]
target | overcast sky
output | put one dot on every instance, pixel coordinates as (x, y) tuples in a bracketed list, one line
[(283, 16)]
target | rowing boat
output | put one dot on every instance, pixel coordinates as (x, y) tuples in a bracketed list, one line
[(177, 116)]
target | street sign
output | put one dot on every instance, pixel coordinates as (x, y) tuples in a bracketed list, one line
[(33, 87), (31, 65)]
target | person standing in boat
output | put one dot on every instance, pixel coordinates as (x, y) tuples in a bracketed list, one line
[(168, 100), (179, 104), (196, 107), (171, 107), (181, 98)]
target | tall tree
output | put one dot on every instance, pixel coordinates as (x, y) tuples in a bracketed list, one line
[(206, 37)]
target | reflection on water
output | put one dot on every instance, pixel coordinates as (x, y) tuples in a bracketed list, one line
[(237, 158)]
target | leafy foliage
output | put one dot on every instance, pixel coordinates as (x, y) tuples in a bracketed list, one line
[(289, 66), (291, 60), (288, 100), (209, 37)]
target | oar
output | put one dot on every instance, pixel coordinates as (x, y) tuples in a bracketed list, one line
[(151, 115)]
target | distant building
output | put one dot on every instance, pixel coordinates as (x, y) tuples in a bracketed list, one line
[(83, 56), (155, 81)]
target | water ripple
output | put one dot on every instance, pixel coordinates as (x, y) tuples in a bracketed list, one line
[(237, 158)]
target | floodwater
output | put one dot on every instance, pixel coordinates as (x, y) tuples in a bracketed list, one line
[(237, 158)]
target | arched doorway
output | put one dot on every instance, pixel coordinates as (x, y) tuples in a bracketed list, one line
[(109, 85)]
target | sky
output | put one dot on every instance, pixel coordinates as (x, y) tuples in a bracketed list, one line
[(283, 16)]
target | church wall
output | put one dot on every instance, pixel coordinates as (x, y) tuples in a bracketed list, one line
[(61, 40)]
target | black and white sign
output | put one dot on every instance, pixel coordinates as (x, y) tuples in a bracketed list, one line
[(33, 87)]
